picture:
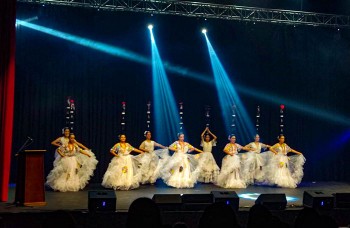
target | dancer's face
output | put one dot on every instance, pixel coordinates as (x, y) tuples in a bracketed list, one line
[(257, 138), (148, 135), (66, 133), (72, 139), (233, 139), (281, 139), (207, 138), (122, 138), (181, 137)]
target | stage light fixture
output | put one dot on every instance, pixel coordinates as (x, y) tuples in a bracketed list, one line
[(150, 26), (204, 31)]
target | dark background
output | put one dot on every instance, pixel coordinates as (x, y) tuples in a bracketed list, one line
[(306, 65)]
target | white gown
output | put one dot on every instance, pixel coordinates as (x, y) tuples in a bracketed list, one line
[(285, 171), (253, 163), (230, 176), (63, 142), (181, 170), (209, 169), (150, 163), (73, 171), (123, 171)]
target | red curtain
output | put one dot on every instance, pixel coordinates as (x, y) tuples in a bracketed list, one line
[(7, 86)]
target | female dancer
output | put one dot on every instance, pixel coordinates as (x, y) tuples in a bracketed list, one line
[(230, 176), (122, 172), (210, 170), (63, 140), (69, 172), (181, 170), (149, 160), (254, 162), (285, 171)]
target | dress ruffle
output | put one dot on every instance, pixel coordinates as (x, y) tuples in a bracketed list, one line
[(123, 173), (230, 176), (209, 169)]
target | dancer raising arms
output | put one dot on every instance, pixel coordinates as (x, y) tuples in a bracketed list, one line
[(230, 174), (285, 171), (150, 159), (210, 170), (71, 173), (123, 171), (181, 170)]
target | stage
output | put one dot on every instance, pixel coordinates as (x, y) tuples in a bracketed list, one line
[(77, 203)]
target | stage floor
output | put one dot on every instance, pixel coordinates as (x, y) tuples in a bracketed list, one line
[(78, 200)]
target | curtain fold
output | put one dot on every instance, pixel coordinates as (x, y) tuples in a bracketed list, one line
[(7, 84)]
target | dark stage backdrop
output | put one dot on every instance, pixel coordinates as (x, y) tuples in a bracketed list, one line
[(304, 64)]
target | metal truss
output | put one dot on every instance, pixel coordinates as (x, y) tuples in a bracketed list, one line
[(209, 10)]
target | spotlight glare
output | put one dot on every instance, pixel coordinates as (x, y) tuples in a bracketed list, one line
[(204, 31), (150, 26)]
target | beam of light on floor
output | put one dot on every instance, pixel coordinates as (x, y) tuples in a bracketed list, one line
[(254, 196), (185, 72), (166, 113), (228, 98)]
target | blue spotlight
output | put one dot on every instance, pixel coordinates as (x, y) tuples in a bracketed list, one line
[(109, 49), (165, 108), (150, 26), (204, 31), (229, 98), (254, 196)]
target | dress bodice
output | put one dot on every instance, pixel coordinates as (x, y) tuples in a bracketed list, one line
[(122, 150), (233, 147), (181, 148)]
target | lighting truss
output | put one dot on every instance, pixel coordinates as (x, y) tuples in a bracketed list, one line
[(209, 10)]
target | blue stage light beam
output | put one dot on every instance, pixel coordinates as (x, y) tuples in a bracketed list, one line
[(188, 73), (109, 49), (166, 113), (228, 97)]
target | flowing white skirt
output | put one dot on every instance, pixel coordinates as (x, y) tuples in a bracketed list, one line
[(72, 173), (285, 171), (151, 163), (230, 176), (209, 169), (253, 167), (123, 173), (180, 170)]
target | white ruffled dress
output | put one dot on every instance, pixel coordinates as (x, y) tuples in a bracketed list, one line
[(230, 174), (123, 172), (209, 169), (181, 170), (150, 163), (253, 163), (73, 171), (285, 171)]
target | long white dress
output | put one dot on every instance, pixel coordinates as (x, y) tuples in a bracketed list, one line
[(73, 171), (230, 174), (253, 163), (63, 142), (209, 169), (123, 171), (285, 171), (150, 163), (181, 169)]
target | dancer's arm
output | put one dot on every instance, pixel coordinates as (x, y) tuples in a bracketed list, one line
[(136, 150), (211, 133), (81, 145), (227, 150), (56, 142), (202, 135), (159, 145), (114, 150), (272, 149), (83, 152), (295, 152), (60, 152)]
